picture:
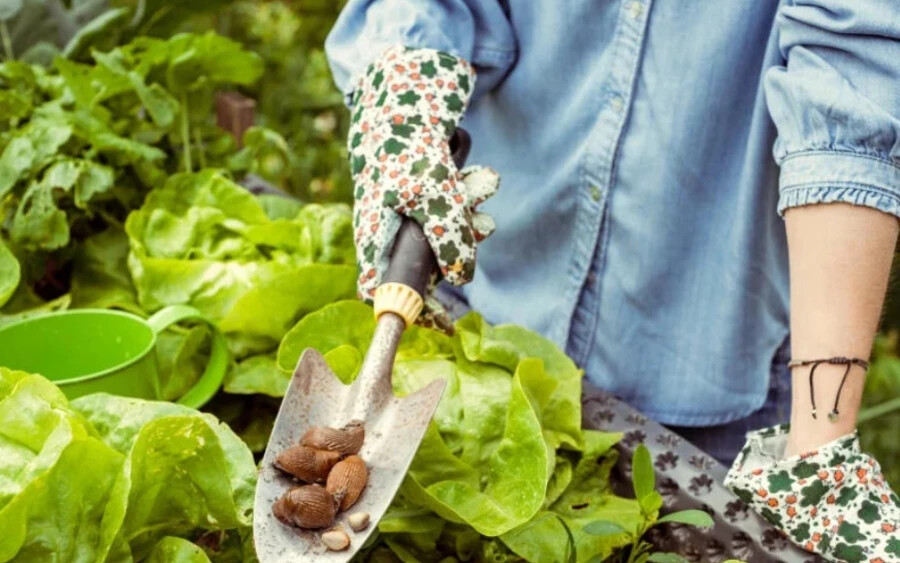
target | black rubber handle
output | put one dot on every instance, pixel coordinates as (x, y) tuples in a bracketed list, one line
[(412, 261)]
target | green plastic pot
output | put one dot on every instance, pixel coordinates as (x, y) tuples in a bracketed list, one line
[(87, 351)]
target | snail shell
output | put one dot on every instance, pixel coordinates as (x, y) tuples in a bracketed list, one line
[(305, 463), (347, 480), (358, 521), (347, 440), (309, 506), (336, 540)]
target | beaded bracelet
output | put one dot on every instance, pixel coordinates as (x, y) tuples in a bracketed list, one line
[(837, 360)]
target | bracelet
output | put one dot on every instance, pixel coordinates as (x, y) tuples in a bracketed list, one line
[(837, 360)]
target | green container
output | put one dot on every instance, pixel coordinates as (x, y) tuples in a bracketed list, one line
[(100, 350)]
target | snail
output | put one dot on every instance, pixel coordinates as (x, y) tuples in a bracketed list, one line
[(307, 464), (358, 521), (336, 540), (347, 480), (347, 440), (309, 506)]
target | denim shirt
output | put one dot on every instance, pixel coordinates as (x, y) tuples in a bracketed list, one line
[(646, 148)]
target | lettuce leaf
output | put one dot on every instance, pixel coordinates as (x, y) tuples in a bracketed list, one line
[(504, 457), (110, 478), (203, 240)]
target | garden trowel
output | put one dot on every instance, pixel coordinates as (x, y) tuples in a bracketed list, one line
[(394, 426)]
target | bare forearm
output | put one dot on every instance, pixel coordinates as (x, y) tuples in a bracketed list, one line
[(840, 259)]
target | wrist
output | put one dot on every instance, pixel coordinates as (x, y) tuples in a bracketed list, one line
[(813, 422)]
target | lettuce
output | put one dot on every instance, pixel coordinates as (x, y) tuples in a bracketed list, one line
[(107, 478), (504, 457), (203, 240)]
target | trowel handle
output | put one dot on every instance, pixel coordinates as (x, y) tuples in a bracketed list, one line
[(412, 260)]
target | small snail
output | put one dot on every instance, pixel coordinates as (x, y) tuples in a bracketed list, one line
[(347, 480), (336, 540), (309, 506), (358, 521), (307, 464), (347, 440)]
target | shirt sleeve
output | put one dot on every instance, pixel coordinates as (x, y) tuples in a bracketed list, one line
[(836, 103), (475, 30)]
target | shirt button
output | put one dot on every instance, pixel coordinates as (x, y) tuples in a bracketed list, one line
[(595, 193), (636, 10)]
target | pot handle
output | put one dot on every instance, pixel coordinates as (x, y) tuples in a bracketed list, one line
[(208, 384)]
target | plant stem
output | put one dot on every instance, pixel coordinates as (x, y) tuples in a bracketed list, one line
[(201, 154), (876, 411), (186, 133), (7, 42)]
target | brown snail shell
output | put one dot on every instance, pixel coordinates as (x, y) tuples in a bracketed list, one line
[(347, 440), (305, 463), (347, 480), (309, 506)]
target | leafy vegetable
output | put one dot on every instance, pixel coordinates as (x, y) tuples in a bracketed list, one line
[(504, 456), (9, 273), (650, 501), (81, 144), (202, 240), (113, 478)]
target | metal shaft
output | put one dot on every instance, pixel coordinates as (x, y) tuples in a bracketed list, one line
[(373, 384)]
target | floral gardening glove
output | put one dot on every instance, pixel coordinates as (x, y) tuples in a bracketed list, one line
[(406, 108), (833, 501)]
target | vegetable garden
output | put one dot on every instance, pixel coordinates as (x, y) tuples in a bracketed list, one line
[(121, 188)]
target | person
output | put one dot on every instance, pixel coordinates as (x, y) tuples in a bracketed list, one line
[(638, 224)]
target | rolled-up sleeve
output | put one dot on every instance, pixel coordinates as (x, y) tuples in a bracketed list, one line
[(836, 103), (476, 30)]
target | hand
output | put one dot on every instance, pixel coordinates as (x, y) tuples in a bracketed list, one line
[(833, 500), (405, 110)]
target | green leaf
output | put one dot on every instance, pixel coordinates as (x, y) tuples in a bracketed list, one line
[(279, 207), (697, 518), (38, 222), (642, 476), (203, 240), (18, 157), (176, 550), (9, 9), (258, 374), (571, 549), (99, 28), (94, 179), (185, 470), (107, 478), (212, 59), (341, 324), (10, 273), (100, 277), (13, 105), (604, 528), (666, 558), (181, 357), (585, 500), (651, 503)]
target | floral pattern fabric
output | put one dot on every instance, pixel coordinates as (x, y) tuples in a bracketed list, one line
[(833, 501), (405, 109)]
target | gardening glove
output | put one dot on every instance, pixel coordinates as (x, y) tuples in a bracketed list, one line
[(405, 109), (832, 501)]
